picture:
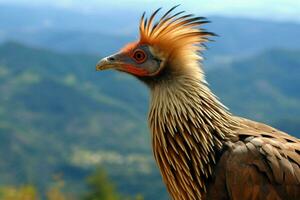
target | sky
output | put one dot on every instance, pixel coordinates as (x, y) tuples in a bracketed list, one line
[(282, 10)]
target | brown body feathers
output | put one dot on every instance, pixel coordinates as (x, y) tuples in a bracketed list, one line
[(202, 150)]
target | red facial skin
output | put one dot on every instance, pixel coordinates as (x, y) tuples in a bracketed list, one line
[(134, 70)]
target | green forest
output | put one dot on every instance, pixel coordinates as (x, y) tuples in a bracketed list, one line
[(60, 121)]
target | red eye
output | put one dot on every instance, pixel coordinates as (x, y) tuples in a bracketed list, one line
[(139, 56)]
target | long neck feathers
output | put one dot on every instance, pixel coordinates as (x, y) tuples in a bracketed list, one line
[(189, 126)]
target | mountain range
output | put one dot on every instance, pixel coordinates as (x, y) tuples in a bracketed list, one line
[(58, 116)]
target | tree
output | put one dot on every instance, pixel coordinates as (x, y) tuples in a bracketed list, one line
[(100, 187)]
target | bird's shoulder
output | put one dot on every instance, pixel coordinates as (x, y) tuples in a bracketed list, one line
[(261, 158)]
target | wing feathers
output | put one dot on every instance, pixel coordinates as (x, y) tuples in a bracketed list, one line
[(268, 160)]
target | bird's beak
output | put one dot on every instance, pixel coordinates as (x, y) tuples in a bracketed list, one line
[(110, 62), (120, 62)]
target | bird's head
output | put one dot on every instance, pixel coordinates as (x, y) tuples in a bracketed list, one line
[(173, 42)]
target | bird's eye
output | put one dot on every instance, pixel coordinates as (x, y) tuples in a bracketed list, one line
[(139, 56)]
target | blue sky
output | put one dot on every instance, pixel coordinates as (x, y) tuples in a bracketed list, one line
[(287, 10)]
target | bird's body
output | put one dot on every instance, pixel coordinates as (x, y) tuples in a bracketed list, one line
[(202, 150)]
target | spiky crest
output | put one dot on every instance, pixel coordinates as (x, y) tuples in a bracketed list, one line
[(175, 33)]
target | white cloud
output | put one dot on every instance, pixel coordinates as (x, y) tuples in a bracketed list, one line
[(277, 9)]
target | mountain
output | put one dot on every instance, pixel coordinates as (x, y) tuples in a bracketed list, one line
[(58, 116), (242, 37), (264, 87)]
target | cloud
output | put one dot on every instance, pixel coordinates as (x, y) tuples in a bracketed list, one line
[(276, 9)]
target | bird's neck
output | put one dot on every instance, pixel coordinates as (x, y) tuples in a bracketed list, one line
[(189, 126)]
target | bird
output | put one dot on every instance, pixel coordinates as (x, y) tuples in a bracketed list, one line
[(202, 150)]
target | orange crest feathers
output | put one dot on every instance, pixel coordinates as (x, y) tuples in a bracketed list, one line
[(173, 33)]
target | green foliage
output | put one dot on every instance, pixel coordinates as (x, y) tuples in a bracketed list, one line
[(100, 188), (26, 192)]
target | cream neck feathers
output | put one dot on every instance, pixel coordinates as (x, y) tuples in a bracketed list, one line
[(188, 125)]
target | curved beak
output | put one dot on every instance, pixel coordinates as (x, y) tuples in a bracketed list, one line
[(103, 64), (110, 62)]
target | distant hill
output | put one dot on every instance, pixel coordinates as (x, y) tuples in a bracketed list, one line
[(241, 36), (57, 115), (264, 87)]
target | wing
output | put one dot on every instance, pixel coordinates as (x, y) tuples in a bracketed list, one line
[(263, 163)]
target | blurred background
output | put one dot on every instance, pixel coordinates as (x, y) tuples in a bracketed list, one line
[(67, 132)]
